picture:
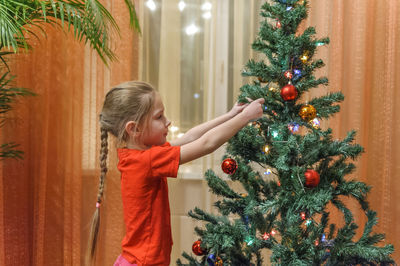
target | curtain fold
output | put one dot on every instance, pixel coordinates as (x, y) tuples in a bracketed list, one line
[(47, 199)]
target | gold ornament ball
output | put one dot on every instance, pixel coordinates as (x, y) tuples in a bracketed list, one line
[(256, 125), (308, 112), (219, 262)]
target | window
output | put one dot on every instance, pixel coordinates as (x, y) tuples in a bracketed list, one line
[(193, 51)]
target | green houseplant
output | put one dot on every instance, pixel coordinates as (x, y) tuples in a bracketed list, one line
[(89, 21)]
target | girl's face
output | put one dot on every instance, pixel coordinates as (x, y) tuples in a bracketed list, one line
[(157, 129)]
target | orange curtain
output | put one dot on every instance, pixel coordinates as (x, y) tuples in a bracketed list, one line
[(47, 199), (362, 61)]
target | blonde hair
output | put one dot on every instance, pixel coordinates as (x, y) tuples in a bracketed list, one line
[(129, 101)]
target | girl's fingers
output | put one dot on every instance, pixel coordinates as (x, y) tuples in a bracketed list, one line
[(260, 100)]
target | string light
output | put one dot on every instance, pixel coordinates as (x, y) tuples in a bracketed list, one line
[(207, 15), (293, 127), (304, 58), (206, 6), (173, 129), (151, 5), (192, 29), (297, 74), (181, 5), (266, 149), (266, 235), (268, 172), (249, 240), (315, 123), (288, 74)]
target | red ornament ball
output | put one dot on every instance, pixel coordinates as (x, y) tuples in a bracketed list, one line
[(196, 248), (229, 166), (312, 178), (289, 92)]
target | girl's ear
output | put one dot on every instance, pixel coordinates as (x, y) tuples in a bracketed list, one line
[(131, 128)]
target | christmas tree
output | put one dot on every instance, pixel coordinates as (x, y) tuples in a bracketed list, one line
[(290, 168)]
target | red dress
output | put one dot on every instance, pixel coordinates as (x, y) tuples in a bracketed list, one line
[(148, 239)]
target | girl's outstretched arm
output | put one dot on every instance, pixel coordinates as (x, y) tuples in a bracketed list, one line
[(198, 131), (215, 137)]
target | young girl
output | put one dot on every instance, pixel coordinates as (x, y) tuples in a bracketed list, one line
[(134, 113)]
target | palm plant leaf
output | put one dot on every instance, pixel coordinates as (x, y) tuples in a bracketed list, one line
[(134, 21), (8, 94), (8, 150), (90, 20), (2, 54)]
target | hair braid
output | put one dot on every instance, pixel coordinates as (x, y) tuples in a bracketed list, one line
[(103, 163), (90, 254)]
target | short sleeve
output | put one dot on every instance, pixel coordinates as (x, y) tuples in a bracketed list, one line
[(164, 160)]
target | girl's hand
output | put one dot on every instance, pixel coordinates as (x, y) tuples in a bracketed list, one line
[(254, 110), (237, 108)]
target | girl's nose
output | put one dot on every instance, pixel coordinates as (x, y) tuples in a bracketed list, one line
[(168, 123)]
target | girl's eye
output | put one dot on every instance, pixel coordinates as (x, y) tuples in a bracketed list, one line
[(159, 117)]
